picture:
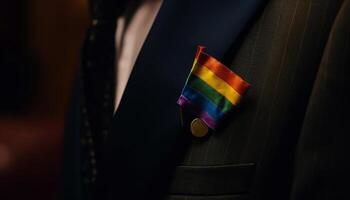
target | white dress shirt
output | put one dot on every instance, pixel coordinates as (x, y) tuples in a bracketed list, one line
[(134, 36)]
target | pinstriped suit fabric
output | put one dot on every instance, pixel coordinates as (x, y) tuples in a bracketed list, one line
[(254, 156), (280, 57), (322, 164)]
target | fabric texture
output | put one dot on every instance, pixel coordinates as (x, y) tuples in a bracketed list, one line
[(321, 165), (288, 138), (211, 90)]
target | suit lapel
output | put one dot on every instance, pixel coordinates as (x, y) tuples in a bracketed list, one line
[(147, 140)]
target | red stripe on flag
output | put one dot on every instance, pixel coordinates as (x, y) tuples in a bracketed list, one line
[(221, 71)]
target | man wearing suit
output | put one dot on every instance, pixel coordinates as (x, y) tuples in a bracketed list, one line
[(285, 140)]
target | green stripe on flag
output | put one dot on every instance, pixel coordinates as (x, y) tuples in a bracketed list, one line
[(219, 100)]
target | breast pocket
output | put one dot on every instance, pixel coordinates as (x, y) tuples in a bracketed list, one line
[(212, 182)]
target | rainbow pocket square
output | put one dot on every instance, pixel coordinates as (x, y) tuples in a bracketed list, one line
[(212, 90)]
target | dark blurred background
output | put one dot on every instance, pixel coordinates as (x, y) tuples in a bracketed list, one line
[(39, 53)]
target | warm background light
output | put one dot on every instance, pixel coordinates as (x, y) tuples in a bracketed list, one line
[(31, 140)]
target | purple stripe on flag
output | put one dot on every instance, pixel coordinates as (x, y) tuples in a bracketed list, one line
[(204, 116)]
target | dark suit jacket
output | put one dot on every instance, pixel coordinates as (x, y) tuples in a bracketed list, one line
[(287, 140)]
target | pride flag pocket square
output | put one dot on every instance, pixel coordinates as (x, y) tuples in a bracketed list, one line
[(211, 90)]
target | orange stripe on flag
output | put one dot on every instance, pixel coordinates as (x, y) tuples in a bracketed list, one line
[(221, 71)]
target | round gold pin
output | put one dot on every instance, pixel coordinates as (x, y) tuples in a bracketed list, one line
[(199, 128)]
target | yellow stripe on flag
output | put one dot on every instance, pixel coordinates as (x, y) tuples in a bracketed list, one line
[(217, 83)]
